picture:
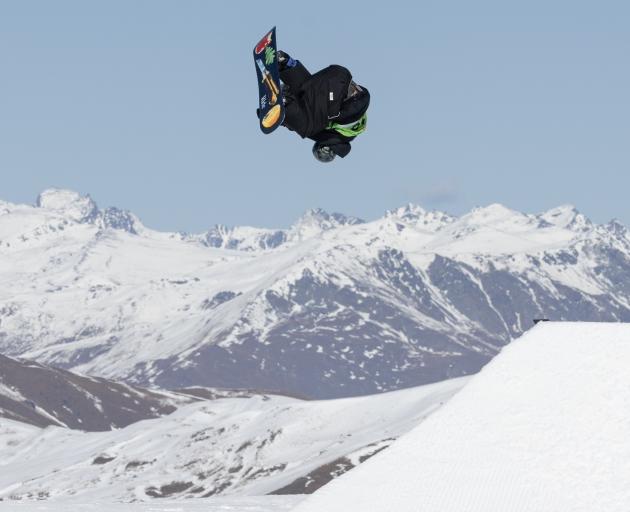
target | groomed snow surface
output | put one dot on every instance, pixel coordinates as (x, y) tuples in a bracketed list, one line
[(545, 427)]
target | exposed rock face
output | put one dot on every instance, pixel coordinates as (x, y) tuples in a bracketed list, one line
[(40, 395)]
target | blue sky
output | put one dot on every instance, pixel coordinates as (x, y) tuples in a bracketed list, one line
[(150, 106)]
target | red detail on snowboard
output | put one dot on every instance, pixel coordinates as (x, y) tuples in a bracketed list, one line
[(264, 42)]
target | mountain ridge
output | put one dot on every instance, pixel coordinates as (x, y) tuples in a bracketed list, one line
[(42, 396), (341, 307)]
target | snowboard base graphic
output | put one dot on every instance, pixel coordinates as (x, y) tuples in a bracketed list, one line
[(270, 102)]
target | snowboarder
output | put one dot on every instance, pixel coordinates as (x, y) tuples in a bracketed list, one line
[(327, 107)]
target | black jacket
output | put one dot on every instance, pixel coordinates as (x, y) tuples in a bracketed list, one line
[(314, 101)]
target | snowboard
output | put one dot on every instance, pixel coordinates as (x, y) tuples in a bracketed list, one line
[(270, 102)]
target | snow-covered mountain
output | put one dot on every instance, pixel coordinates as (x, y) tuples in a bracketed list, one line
[(246, 238), (330, 307), (253, 445)]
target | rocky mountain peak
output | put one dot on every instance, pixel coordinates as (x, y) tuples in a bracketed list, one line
[(316, 220), (68, 202), (243, 238), (322, 218), (617, 228), (83, 209), (493, 213), (414, 214), (567, 216), (409, 212)]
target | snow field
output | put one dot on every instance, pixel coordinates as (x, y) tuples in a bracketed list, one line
[(231, 446)]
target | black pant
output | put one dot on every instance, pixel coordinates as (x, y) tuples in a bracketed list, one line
[(314, 99), (295, 114), (294, 77)]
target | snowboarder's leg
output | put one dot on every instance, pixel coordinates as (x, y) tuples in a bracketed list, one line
[(296, 118), (292, 72)]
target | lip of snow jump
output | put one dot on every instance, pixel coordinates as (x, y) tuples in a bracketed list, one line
[(542, 427)]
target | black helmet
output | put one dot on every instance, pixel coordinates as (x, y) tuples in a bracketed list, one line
[(323, 153)]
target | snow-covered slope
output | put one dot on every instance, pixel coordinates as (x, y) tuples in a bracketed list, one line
[(220, 504), (543, 427), (233, 446), (330, 307)]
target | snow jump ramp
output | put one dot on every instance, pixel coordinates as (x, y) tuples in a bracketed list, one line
[(544, 427)]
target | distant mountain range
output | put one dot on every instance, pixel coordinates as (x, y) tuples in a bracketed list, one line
[(331, 307)]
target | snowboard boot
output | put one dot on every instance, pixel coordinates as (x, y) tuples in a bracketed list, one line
[(285, 61)]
